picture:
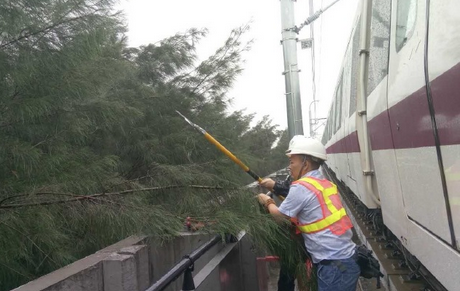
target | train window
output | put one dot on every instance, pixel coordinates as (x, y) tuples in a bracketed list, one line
[(331, 121), (405, 22), (338, 107), (354, 69), (333, 117), (346, 80), (340, 102), (336, 112), (379, 44), (330, 124), (325, 138)]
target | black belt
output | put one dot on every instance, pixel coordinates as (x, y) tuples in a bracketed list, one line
[(337, 263), (328, 262)]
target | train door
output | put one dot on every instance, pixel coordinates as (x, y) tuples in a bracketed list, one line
[(410, 122), (444, 74), (349, 173), (351, 143)]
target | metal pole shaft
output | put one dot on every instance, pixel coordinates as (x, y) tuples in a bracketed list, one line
[(312, 36), (291, 70)]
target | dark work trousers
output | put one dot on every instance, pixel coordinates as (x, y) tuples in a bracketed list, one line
[(286, 280)]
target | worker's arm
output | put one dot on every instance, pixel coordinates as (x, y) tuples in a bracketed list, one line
[(280, 188), (272, 208)]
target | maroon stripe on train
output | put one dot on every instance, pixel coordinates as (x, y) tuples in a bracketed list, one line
[(407, 124), (446, 99), (348, 144), (410, 123)]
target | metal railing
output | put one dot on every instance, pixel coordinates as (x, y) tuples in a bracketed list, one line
[(186, 266)]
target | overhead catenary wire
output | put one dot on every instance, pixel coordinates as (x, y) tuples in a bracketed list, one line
[(321, 124), (313, 17)]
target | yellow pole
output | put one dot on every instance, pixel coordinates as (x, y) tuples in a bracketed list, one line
[(232, 157), (222, 149), (225, 151)]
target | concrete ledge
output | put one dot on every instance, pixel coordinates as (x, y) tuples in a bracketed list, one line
[(85, 274), (141, 257), (127, 242), (120, 273)]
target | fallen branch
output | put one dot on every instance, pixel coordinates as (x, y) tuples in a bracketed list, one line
[(92, 196)]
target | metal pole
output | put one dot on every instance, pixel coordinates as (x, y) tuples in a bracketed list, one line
[(188, 284), (291, 70), (312, 36)]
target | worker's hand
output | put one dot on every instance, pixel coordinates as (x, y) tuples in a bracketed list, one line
[(263, 198), (267, 183)]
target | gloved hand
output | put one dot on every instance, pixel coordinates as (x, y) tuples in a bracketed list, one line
[(263, 198), (267, 183)]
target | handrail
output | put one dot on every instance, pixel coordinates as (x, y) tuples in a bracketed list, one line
[(185, 265)]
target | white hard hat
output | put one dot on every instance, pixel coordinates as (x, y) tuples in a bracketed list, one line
[(302, 145)]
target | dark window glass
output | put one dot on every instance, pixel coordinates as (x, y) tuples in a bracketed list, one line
[(405, 22), (338, 108), (354, 69), (379, 43)]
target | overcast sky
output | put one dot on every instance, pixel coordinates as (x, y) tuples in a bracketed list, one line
[(260, 88)]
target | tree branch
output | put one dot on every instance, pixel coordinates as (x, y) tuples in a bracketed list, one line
[(46, 29), (224, 54), (93, 196)]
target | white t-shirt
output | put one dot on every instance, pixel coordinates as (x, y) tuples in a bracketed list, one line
[(323, 245)]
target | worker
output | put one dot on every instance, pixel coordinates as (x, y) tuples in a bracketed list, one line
[(314, 204)]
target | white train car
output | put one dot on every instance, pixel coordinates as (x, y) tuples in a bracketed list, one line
[(410, 122)]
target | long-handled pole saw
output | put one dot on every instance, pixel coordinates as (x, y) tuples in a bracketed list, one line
[(222, 149)]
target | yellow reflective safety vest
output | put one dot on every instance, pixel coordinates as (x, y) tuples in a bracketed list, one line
[(334, 217)]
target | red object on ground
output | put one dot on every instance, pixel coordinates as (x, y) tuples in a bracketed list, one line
[(262, 271), (268, 258)]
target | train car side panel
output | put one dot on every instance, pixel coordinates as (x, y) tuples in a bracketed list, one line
[(444, 76)]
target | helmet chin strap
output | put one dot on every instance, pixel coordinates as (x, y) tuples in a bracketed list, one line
[(303, 165)]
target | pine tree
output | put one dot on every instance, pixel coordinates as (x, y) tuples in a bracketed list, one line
[(92, 151)]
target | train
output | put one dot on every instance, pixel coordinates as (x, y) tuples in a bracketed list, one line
[(393, 130)]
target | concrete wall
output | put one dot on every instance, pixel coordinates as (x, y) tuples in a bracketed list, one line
[(136, 263), (88, 273)]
